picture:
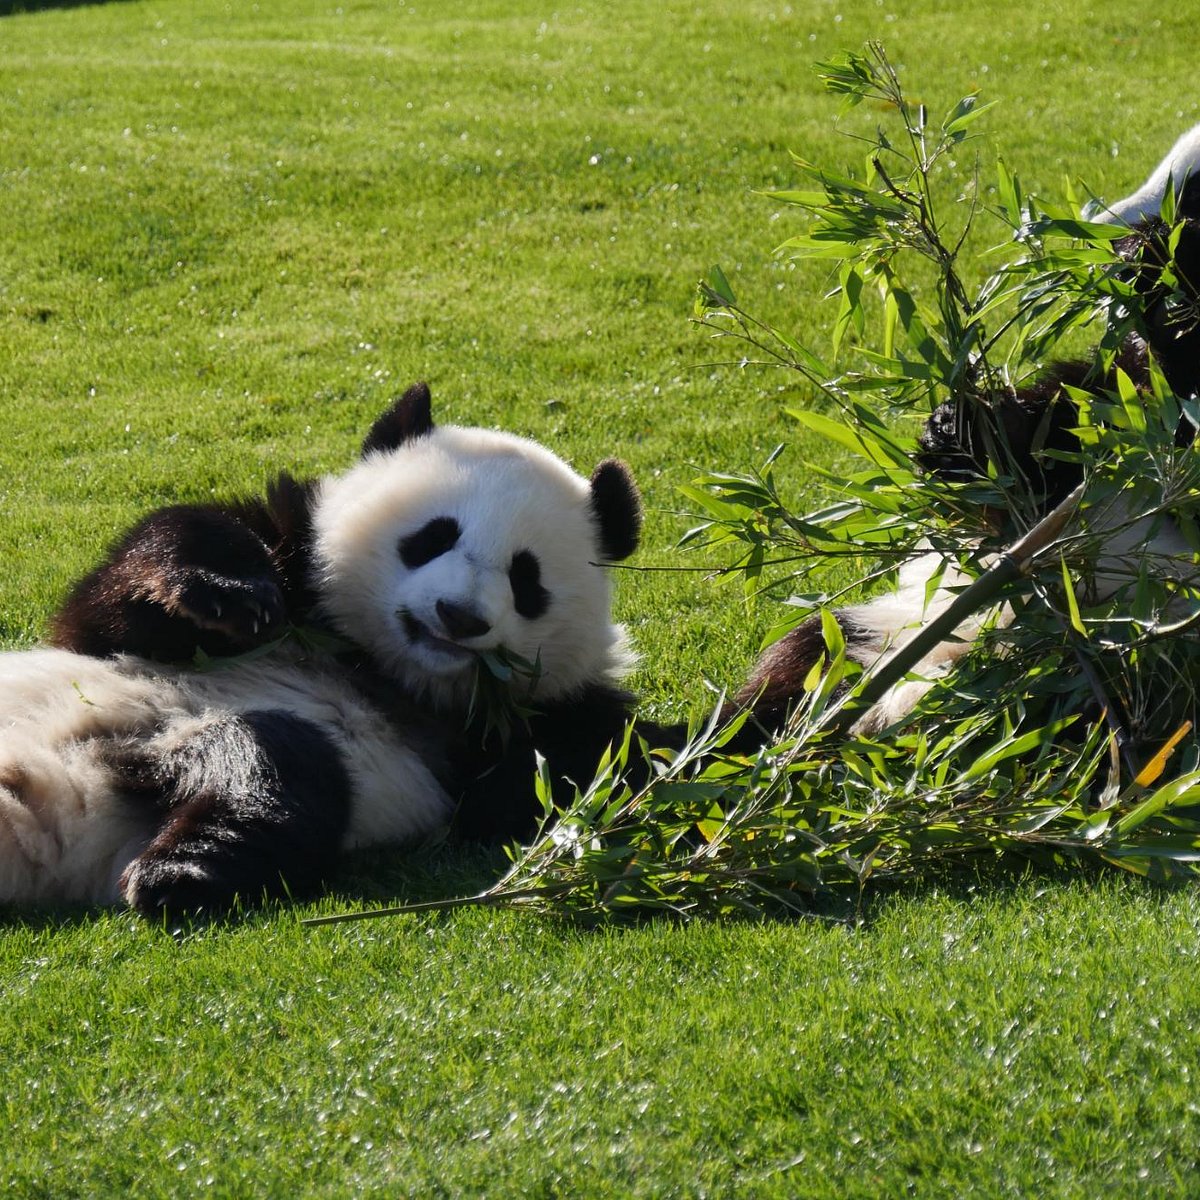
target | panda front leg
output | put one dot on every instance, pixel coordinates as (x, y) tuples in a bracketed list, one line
[(256, 805), (183, 579)]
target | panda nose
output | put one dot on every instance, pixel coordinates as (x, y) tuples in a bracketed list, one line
[(460, 622)]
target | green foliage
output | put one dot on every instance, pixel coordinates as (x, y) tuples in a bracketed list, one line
[(503, 682), (999, 759)]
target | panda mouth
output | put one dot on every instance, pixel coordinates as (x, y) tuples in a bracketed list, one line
[(419, 634)]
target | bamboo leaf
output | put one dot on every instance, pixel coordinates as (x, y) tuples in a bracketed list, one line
[(857, 441), (1072, 601), (964, 112), (1155, 767), (1182, 791), (1014, 747), (719, 285)]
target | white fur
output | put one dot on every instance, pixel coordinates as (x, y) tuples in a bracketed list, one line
[(1182, 159), (890, 621), (65, 831), (885, 625)]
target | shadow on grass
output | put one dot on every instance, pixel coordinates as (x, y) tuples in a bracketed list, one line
[(367, 879), (1008, 880), (378, 879), (42, 917), (10, 7), (385, 878), (381, 878)]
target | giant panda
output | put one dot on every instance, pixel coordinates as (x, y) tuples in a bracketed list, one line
[(128, 773), (1022, 434)]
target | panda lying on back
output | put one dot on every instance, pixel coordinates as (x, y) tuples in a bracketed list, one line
[(960, 440), (123, 776)]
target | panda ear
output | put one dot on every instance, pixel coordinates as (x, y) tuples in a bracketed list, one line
[(409, 417), (617, 508)]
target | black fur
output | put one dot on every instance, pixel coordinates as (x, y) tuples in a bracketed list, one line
[(257, 806), (496, 803), (215, 578), (530, 599), (429, 542), (617, 509), (1014, 431), (778, 677), (1017, 433), (1172, 315), (411, 416), (223, 579), (219, 579)]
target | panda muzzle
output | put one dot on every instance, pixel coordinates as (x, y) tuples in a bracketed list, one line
[(459, 622)]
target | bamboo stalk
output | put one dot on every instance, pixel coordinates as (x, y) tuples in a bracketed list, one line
[(1013, 563)]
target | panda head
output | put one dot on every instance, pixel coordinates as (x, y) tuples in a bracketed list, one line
[(444, 543)]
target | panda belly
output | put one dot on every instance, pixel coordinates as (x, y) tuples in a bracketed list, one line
[(396, 795), (98, 756), (64, 832), (880, 628)]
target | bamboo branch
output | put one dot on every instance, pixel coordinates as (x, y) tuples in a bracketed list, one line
[(983, 591)]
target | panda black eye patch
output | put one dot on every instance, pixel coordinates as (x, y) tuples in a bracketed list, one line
[(431, 541), (530, 599)]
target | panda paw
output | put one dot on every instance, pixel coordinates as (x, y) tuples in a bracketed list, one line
[(167, 889), (249, 611)]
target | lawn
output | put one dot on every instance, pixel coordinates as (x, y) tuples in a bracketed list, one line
[(230, 234)]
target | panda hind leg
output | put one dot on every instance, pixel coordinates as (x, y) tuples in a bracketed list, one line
[(777, 679), (254, 806)]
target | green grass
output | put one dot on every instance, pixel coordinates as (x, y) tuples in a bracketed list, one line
[(230, 234), (1010, 1042)]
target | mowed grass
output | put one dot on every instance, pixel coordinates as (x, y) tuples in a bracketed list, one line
[(230, 234), (1021, 1042)]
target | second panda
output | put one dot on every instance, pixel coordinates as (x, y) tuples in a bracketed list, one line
[(962, 438)]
